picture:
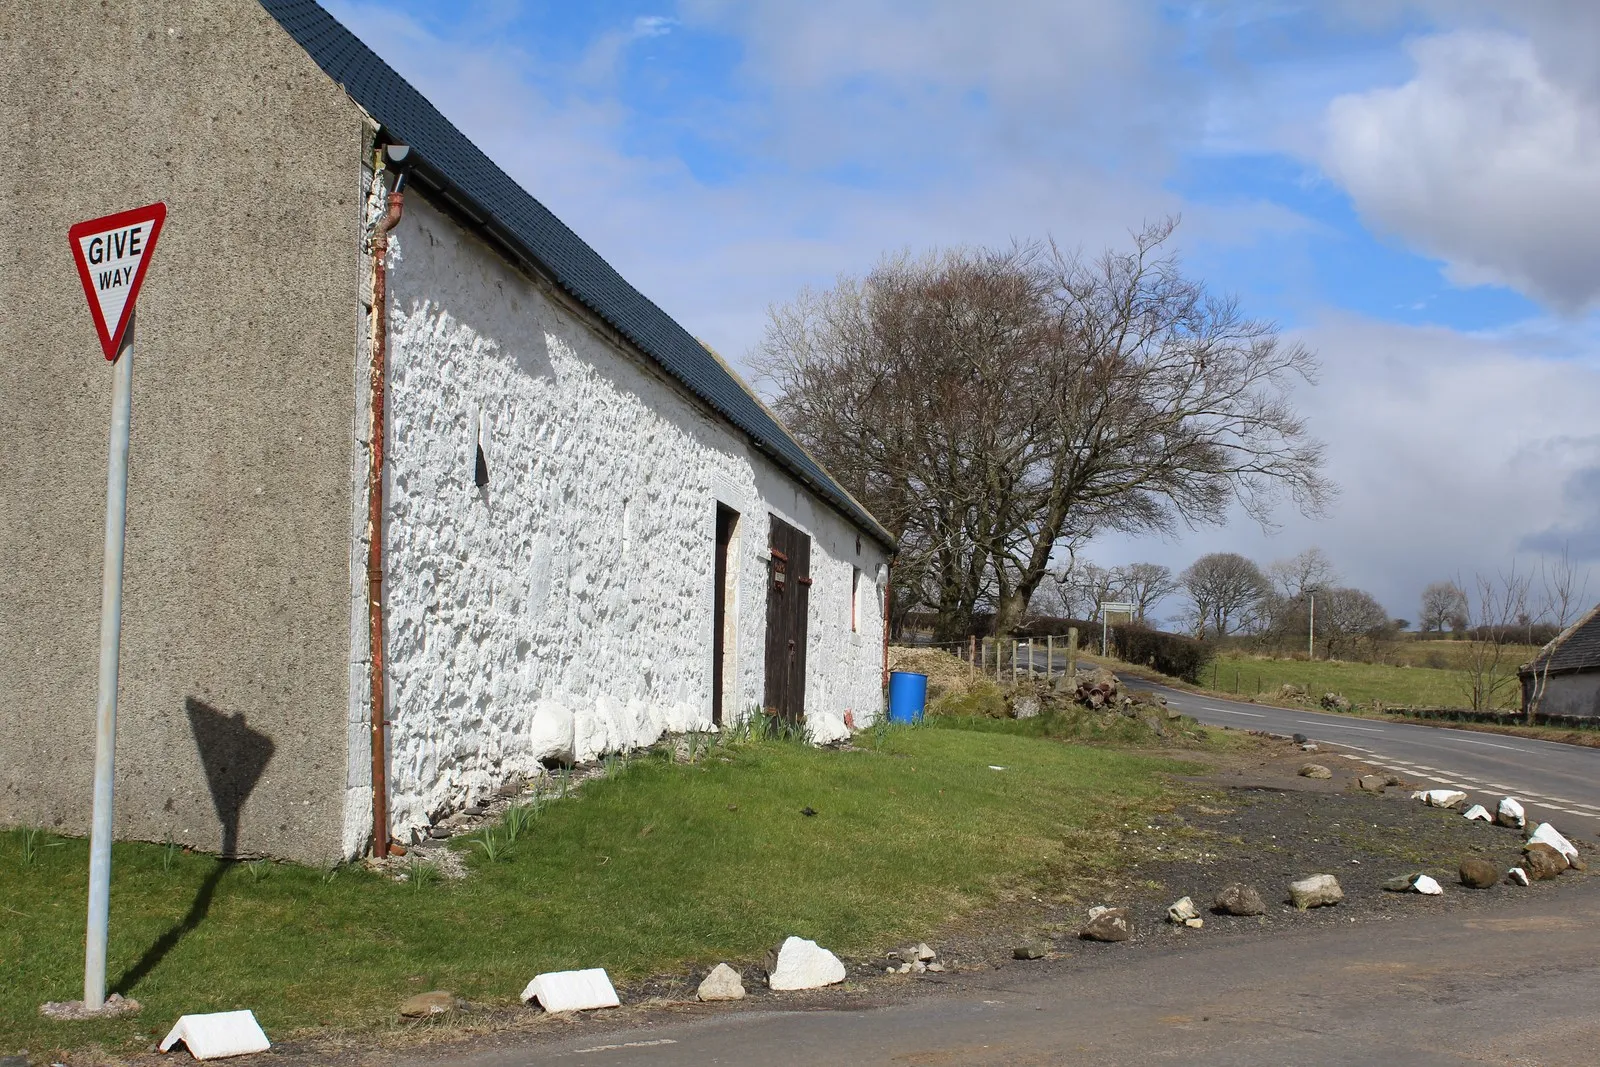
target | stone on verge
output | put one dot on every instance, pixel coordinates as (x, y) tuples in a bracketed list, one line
[(1025, 706), (1111, 924), (1194, 923), (1310, 746), (1439, 798), (825, 728), (1427, 886), (723, 983), (218, 1035), (1239, 899), (1315, 891), (1029, 950), (1518, 875), (1510, 813), (572, 990), (1315, 770), (1402, 883), (1547, 834), (1182, 911), (924, 953), (804, 964), (1479, 813), (1372, 783), (426, 1005), (1478, 874), (1542, 861)]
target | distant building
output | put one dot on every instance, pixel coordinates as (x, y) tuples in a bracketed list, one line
[(1567, 670), (591, 531)]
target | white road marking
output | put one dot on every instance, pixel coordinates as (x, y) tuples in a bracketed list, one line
[(1339, 726), (1230, 711), (1489, 744), (627, 1044)]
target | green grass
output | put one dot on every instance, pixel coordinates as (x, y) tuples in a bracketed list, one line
[(1361, 683), (657, 868)]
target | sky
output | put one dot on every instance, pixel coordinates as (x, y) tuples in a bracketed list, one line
[(1409, 187)]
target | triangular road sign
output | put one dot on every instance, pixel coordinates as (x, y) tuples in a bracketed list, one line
[(112, 254)]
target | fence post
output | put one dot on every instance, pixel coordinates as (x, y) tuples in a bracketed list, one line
[(972, 657), (1049, 655), (997, 658), (1072, 655), (1015, 644)]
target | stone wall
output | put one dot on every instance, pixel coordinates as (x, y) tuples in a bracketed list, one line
[(565, 609)]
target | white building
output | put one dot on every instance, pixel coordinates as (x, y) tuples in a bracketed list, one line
[(591, 532)]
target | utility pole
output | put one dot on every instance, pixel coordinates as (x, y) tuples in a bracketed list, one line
[(1311, 639)]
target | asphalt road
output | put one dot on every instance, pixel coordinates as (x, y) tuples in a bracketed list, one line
[(1558, 782), (1515, 986)]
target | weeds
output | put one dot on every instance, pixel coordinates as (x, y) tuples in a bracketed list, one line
[(519, 818), (496, 849), (169, 856), (259, 870), (31, 844), (420, 874)]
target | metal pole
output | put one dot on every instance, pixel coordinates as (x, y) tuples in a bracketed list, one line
[(105, 745)]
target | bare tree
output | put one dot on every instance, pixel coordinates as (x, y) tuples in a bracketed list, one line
[(1298, 575), (1501, 599), (1167, 405), (1347, 617), (1565, 590), (993, 407), (1443, 604), (1144, 585), (1225, 592)]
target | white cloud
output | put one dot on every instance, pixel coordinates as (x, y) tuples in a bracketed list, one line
[(1456, 453), (1481, 160)]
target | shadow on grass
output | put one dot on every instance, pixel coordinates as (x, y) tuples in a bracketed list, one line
[(234, 757)]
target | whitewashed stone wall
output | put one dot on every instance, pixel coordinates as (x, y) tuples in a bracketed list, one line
[(566, 609)]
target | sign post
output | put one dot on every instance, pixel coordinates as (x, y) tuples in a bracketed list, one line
[(1106, 607), (112, 254)]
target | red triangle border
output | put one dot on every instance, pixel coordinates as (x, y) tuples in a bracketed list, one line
[(156, 214)]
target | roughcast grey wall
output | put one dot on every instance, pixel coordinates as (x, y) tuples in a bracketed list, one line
[(236, 640)]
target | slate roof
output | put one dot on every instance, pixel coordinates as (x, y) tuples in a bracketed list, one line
[(1577, 648), (452, 165)]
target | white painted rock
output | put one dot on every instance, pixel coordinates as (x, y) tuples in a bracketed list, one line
[(218, 1035), (723, 983), (1518, 875), (825, 728), (1439, 798), (550, 733), (1315, 891), (804, 964), (1479, 812), (1427, 886), (1510, 813), (572, 990), (1546, 833), (1182, 911)]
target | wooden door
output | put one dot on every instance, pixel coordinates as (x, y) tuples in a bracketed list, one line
[(788, 599), (727, 518)]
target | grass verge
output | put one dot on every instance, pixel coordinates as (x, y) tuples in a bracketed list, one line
[(658, 867)]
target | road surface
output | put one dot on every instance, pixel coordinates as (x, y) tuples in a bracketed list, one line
[(1559, 781), (1505, 986)]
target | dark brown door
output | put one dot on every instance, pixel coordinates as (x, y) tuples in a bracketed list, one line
[(726, 519), (788, 596)]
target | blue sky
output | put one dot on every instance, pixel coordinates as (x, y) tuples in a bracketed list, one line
[(1406, 186)]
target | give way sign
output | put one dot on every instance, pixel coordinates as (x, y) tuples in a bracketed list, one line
[(112, 254)]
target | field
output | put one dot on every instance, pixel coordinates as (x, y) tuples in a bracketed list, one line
[(660, 867), (1361, 683)]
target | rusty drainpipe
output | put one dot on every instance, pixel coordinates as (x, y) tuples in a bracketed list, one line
[(380, 329), (888, 594)]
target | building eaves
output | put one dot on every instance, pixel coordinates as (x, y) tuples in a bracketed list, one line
[(1577, 648), (452, 164)]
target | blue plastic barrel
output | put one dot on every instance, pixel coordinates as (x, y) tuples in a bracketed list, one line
[(908, 695)]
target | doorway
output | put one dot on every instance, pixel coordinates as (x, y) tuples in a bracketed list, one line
[(788, 598), (727, 522)]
